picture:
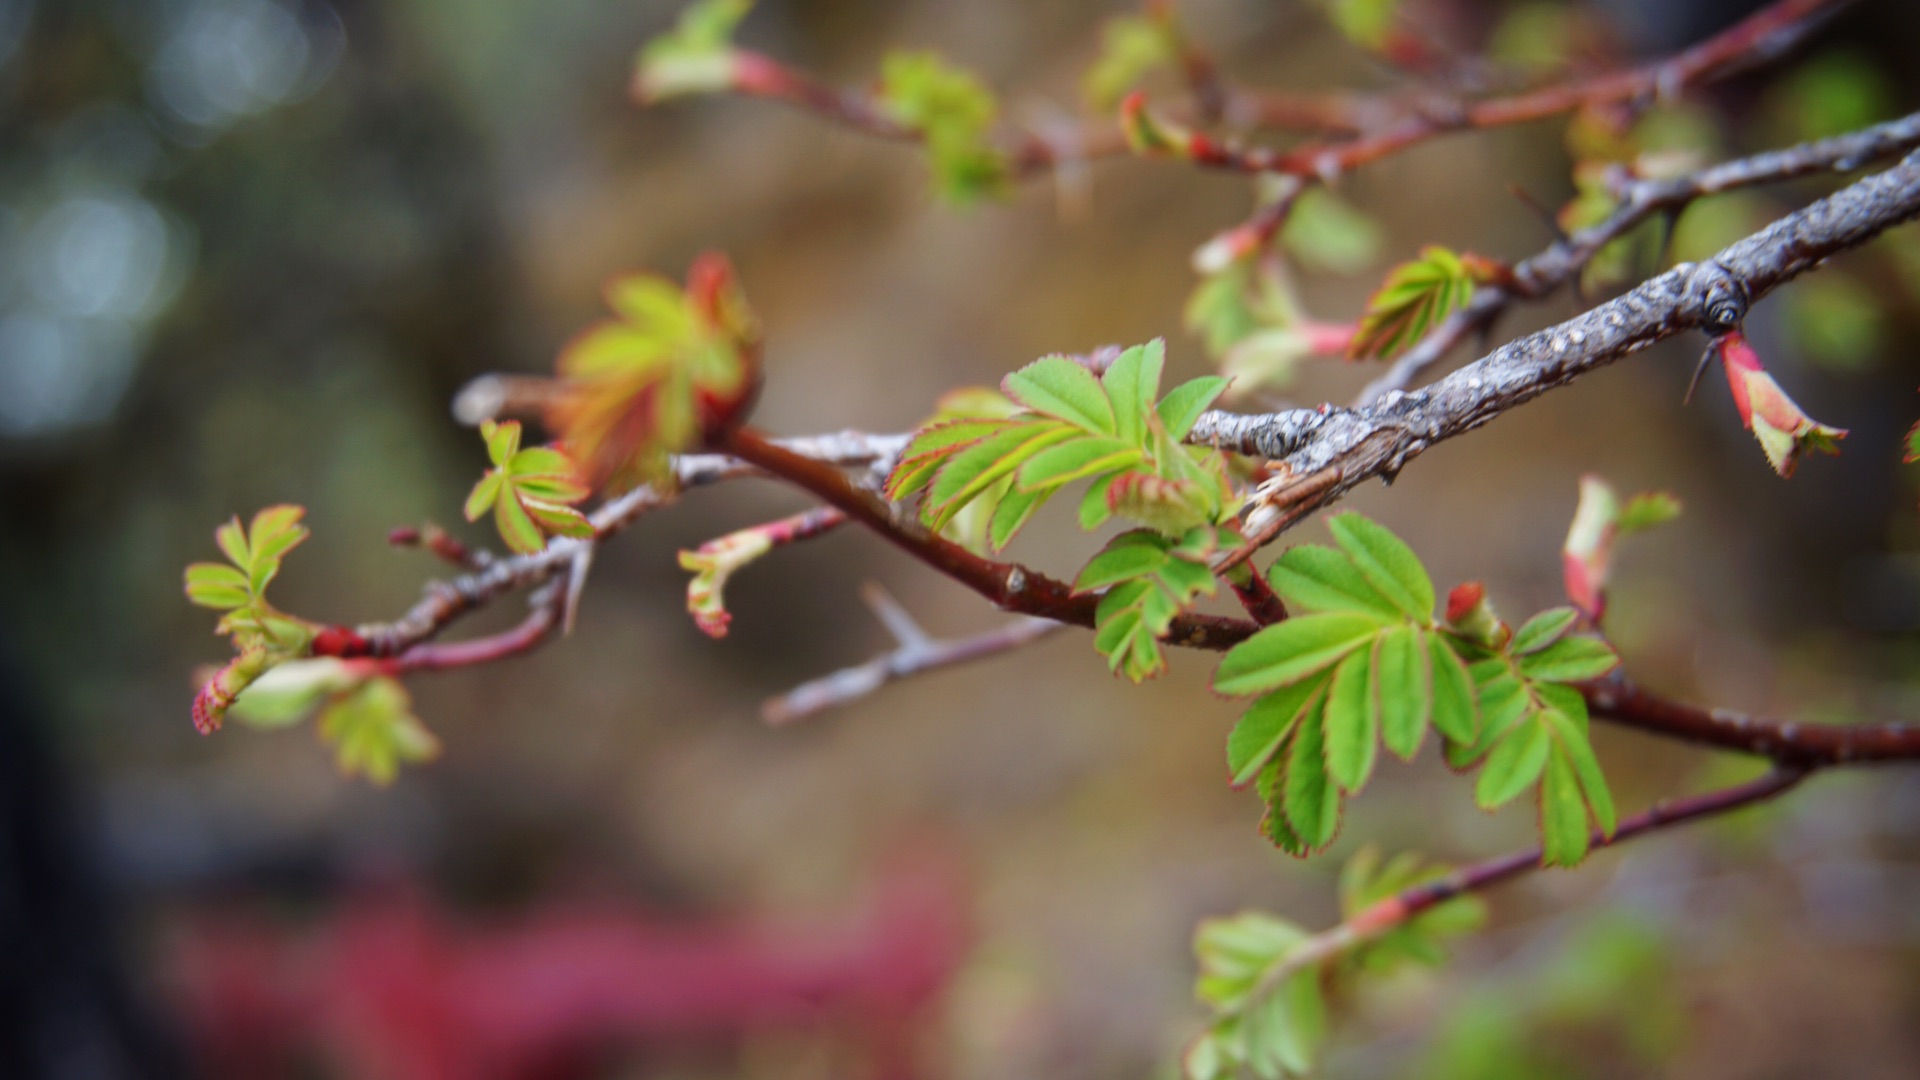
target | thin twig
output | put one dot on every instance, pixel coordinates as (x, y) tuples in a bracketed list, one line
[(1396, 910), (917, 652)]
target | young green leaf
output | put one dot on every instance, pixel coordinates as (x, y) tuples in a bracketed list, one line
[(1289, 651), (1542, 630), (1563, 815), (1148, 583), (528, 489), (1456, 714), (1404, 688), (1131, 48), (1352, 722), (373, 731), (672, 366), (1513, 766), (1415, 298), (1387, 563), (1570, 659), (1310, 798), (1058, 387), (1132, 382), (1265, 727), (955, 114), (1312, 578)]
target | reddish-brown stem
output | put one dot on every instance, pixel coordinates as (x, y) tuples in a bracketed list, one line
[(1662, 815), (440, 656), (1758, 37), (758, 75), (1009, 586), (1616, 698), (1255, 594)]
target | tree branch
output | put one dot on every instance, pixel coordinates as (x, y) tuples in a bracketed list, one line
[(1640, 200), (1618, 699), (1395, 911), (1379, 439), (917, 653), (1010, 586)]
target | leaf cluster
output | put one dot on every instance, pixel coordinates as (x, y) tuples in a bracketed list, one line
[(672, 367), (1417, 296), (367, 718), (954, 113), (1149, 579), (1272, 1022), (1363, 663), (262, 635), (529, 489), (1073, 425)]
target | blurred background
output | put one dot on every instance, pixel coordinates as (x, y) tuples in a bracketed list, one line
[(249, 250)]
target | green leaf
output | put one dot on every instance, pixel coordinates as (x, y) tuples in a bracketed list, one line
[(1184, 403), (1077, 460), (973, 470), (1310, 799), (1265, 727), (516, 526), (1387, 563), (1367, 23), (1327, 234), (1283, 1032), (285, 693), (673, 365), (1415, 298), (1312, 578), (1571, 659), (696, 56), (1131, 47), (1065, 389), (1132, 382), (1572, 743), (1130, 555), (1563, 815), (1646, 510), (1404, 689), (1543, 630), (1012, 513), (1235, 952), (1352, 722), (1455, 714), (1289, 651), (1148, 588), (954, 113), (1513, 766), (1095, 510), (373, 731), (218, 586)]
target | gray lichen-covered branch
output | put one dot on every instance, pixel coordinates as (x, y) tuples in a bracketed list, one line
[(1349, 446)]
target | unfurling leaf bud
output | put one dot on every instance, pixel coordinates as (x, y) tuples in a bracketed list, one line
[(1784, 430)]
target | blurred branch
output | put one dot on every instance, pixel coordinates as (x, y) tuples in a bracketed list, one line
[(917, 652), (1758, 38), (1616, 698), (1395, 911)]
